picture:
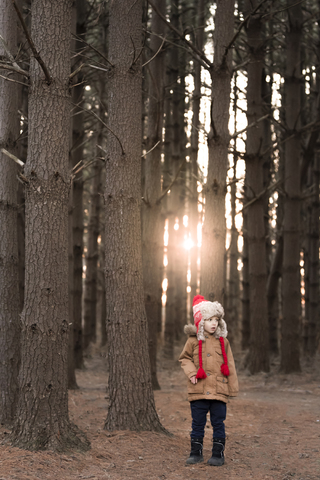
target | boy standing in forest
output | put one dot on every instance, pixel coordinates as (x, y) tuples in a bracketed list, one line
[(208, 363)]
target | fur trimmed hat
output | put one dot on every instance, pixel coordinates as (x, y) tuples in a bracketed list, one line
[(203, 310)]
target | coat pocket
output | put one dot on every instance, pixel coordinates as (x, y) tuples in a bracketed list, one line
[(222, 385), (197, 388)]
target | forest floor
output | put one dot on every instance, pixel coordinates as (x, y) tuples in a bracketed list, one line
[(273, 433)]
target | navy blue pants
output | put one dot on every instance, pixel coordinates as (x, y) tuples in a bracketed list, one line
[(218, 412)]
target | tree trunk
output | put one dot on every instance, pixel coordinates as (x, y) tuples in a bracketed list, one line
[(194, 219), (245, 298), (42, 420), (273, 296), (77, 152), (214, 227), (72, 382), (258, 358), (290, 326), (9, 273), (233, 280), (131, 404), (173, 159), (92, 257), (152, 226)]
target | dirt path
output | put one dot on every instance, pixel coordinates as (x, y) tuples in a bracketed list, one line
[(273, 430)]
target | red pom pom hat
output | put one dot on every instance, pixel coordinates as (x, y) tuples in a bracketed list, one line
[(203, 310)]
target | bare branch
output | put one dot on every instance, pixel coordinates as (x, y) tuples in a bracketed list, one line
[(11, 57), (173, 181), (93, 48), (73, 74), (154, 56), (32, 46), (104, 151), (155, 146), (104, 124), (242, 24), (4, 66), (200, 54), (261, 194), (13, 157), (236, 134), (15, 81)]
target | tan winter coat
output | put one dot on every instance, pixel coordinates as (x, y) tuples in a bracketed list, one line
[(216, 386)]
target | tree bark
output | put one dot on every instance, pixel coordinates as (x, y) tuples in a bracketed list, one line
[(42, 420), (152, 226), (77, 153), (258, 358), (131, 404), (194, 217), (91, 279), (9, 273), (214, 227), (290, 326), (174, 206)]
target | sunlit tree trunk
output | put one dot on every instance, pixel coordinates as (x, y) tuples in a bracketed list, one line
[(9, 273), (196, 99), (152, 231), (214, 227), (290, 325), (232, 306), (42, 420), (131, 405), (172, 161)]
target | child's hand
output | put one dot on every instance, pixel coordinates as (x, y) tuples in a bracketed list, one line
[(193, 380)]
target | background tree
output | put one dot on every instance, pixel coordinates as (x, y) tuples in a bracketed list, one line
[(42, 416), (291, 222), (214, 227), (131, 403), (152, 226), (9, 274), (259, 345)]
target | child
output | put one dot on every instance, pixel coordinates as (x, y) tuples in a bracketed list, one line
[(208, 363)]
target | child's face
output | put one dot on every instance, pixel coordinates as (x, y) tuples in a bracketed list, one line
[(211, 325)]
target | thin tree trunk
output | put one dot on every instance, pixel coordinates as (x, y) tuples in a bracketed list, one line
[(131, 404), (290, 326), (273, 296), (72, 382), (245, 299), (214, 227), (258, 358), (9, 273), (313, 248), (196, 99), (152, 231), (42, 420), (173, 161), (77, 153), (92, 257), (233, 280)]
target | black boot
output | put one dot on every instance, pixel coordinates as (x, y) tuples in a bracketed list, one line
[(217, 458), (196, 451)]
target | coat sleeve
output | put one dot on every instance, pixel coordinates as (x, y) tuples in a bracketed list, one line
[(232, 379), (186, 359)]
